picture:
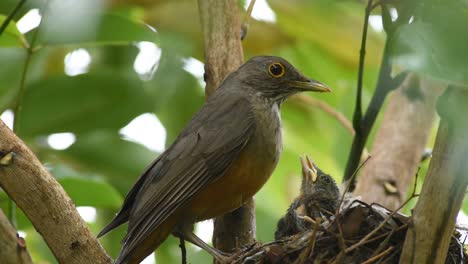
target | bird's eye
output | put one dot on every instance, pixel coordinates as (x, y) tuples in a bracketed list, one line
[(276, 69), (326, 180)]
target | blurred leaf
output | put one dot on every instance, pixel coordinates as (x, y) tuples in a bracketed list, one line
[(86, 191), (103, 152), (82, 103), (13, 61), (334, 26), (435, 43), (11, 37), (91, 192), (178, 96), (91, 25)]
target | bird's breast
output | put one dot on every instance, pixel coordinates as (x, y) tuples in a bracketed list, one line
[(246, 175)]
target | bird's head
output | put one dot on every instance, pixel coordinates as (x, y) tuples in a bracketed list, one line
[(275, 79), (317, 183)]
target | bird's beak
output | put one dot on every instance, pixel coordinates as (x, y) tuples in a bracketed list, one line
[(310, 85), (309, 172)]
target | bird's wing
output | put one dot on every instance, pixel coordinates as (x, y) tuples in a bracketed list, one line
[(202, 153)]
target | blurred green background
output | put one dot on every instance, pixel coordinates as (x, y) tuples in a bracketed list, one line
[(110, 83)]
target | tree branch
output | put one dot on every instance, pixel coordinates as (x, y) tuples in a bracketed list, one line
[(428, 237), (46, 204), (12, 247), (223, 54), (385, 84), (399, 143), (221, 34)]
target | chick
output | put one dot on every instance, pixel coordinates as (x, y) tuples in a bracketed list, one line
[(319, 198)]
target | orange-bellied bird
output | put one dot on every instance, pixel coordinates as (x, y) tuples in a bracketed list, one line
[(220, 159)]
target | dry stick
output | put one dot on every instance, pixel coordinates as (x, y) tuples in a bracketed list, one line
[(387, 233), (365, 240), (302, 98), (311, 245), (10, 16), (377, 257), (245, 22)]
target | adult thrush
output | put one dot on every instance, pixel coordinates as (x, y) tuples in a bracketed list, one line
[(220, 159), (318, 198)]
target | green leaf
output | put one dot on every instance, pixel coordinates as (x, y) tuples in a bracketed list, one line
[(91, 192), (93, 28), (11, 37), (103, 152), (178, 96), (86, 190), (435, 43), (82, 103)]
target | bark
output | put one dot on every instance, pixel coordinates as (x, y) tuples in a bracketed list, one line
[(223, 54), (221, 33), (427, 239), (12, 247), (45, 203), (399, 143)]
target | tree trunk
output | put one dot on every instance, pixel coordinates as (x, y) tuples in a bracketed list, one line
[(45, 203), (428, 237), (399, 144), (223, 54), (12, 247)]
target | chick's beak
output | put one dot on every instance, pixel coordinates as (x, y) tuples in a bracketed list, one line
[(310, 85), (309, 172)]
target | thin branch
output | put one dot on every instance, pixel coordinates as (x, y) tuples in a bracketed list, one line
[(340, 117), (385, 84), (46, 204), (357, 117), (12, 246), (245, 22), (183, 250), (379, 256), (11, 16), (311, 245), (365, 239)]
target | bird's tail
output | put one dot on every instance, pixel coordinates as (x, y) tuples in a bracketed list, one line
[(134, 253)]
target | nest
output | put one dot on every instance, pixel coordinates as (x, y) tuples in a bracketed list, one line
[(360, 233)]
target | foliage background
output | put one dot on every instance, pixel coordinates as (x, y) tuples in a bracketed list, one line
[(321, 38)]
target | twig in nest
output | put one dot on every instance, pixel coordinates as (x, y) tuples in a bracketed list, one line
[(386, 234), (348, 185), (311, 245), (365, 240), (377, 257)]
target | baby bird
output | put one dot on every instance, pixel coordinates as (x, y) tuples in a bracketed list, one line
[(318, 198)]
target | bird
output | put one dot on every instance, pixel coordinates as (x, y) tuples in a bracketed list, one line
[(222, 157), (318, 198)]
